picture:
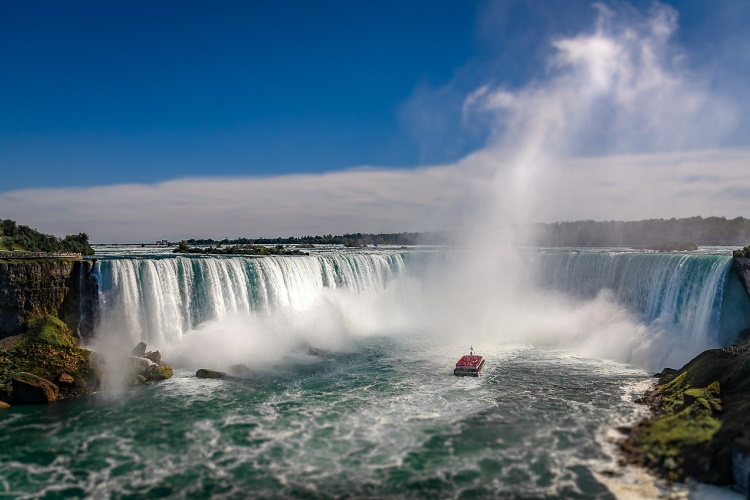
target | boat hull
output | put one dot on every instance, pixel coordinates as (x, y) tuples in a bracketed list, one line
[(466, 371)]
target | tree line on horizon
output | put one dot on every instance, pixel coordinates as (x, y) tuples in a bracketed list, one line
[(659, 234), (15, 237), (348, 240), (644, 233)]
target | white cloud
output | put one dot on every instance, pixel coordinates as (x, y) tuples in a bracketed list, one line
[(614, 187)]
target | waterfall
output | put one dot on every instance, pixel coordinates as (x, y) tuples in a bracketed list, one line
[(158, 299), (687, 293)]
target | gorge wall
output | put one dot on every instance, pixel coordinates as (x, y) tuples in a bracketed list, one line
[(61, 287)]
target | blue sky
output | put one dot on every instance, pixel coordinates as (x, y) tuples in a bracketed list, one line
[(140, 92)]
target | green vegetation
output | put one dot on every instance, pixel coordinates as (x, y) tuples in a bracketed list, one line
[(348, 240), (686, 418), (50, 330), (47, 350), (183, 247), (14, 237), (742, 252), (692, 429)]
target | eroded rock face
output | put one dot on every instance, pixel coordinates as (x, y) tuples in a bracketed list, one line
[(31, 389), (741, 267), (62, 288)]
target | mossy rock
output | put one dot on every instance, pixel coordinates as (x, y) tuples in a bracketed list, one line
[(159, 372), (47, 351), (50, 330)]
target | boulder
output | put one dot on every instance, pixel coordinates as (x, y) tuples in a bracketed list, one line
[(154, 356), (139, 350), (158, 372), (65, 379), (239, 370), (31, 389), (204, 373), (3, 404)]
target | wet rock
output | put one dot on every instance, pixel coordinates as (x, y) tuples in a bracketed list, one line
[(205, 373), (314, 351), (154, 356), (239, 370), (158, 372), (139, 350), (3, 404), (31, 389)]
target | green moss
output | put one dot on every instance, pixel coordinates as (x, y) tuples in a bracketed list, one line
[(687, 419), (667, 435), (47, 350), (50, 330)]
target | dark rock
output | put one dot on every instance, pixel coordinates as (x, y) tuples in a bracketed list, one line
[(239, 370), (61, 287), (31, 389), (3, 404), (139, 350), (666, 372), (204, 373), (65, 379), (741, 268), (154, 356)]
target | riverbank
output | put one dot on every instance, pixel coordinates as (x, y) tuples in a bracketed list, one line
[(699, 426)]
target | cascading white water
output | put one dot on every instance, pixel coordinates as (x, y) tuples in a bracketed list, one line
[(158, 299), (679, 292)]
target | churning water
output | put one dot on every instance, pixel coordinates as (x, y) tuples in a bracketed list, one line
[(380, 415)]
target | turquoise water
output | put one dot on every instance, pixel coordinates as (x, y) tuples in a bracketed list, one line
[(381, 421), (382, 415)]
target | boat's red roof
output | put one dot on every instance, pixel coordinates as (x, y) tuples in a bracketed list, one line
[(471, 361)]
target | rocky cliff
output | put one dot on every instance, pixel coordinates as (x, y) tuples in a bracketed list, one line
[(59, 287), (741, 267)]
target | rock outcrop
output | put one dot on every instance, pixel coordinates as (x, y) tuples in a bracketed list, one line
[(46, 352), (699, 413), (147, 366), (741, 267), (29, 389), (205, 373), (59, 287)]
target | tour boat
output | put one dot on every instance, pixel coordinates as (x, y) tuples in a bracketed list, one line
[(469, 365)]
